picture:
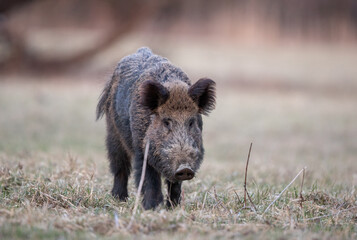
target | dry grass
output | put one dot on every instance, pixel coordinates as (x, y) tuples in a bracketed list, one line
[(55, 182)]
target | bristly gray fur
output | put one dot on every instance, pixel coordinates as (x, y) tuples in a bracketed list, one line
[(149, 99)]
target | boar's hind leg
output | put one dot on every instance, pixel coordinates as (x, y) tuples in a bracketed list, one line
[(174, 194), (152, 184), (119, 166)]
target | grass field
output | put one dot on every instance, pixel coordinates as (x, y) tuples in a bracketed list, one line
[(55, 182)]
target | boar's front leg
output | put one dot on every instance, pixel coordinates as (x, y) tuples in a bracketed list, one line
[(174, 194), (152, 184), (120, 166)]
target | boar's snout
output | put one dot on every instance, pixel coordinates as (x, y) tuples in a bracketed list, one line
[(184, 172)]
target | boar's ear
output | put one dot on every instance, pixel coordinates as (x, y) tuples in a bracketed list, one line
[(153, 94), (203, 92)]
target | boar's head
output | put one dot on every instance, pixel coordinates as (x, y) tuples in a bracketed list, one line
[(175, 130)]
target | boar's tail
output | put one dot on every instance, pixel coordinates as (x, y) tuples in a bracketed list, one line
[(103, 104)]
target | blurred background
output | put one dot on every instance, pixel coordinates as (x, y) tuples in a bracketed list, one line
[(239, 40), (286, 74)]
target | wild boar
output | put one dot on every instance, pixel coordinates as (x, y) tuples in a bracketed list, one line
[(148, 98)]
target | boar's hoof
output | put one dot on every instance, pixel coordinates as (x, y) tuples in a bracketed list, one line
[(184, 172), (121, 195)]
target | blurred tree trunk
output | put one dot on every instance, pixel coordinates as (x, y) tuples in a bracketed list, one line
[(126, 15)]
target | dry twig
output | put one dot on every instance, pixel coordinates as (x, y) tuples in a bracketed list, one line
[(140, 185), (251, 202), (245, 178), (283, 191), (237, 196), (245, 182), (302, 184)]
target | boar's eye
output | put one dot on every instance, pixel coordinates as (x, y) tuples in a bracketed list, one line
[(167, 122), (191, 122)]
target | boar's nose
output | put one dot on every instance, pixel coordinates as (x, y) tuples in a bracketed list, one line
[(184, 172)]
